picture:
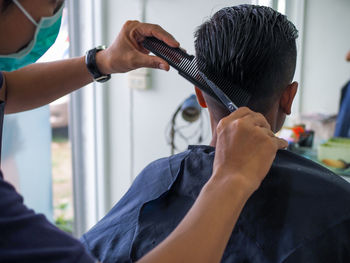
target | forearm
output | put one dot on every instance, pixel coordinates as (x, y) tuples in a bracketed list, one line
[(42, 83), (203, 234)]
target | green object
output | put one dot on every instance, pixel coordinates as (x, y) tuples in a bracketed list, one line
[(45, 36), (62, 222), (335, 149), (65, 225), (311, 154), (339, 140)]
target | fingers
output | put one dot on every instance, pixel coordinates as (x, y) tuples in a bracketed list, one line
[(149, 61), (237, 114), (256, 119), (148, 30), (138, 32), (281, 144), (127, 53), (247, 119)]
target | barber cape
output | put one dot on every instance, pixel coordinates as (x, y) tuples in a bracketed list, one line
[(301, 212)]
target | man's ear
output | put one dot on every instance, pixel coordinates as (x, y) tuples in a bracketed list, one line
[(200, 98), (287, 97), (348, 56)]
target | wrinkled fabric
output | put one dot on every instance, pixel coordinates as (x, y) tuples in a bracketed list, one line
[(301, 212)]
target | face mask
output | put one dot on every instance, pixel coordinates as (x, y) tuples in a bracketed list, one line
[(45, 36)]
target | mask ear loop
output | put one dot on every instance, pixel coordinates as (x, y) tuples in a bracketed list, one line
[(25, 12)]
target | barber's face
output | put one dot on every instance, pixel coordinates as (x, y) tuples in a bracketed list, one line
[(16, 30)]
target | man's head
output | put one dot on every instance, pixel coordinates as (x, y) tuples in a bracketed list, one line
[(253, 47)]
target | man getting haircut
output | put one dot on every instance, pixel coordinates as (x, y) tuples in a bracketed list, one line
[(300, 213)]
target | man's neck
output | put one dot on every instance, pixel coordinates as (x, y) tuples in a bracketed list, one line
[(213, 123)]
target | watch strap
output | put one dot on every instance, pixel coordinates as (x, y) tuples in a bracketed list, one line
[(90, 60)]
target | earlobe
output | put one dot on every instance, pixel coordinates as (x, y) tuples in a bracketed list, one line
[(200, 98), (287, 97)]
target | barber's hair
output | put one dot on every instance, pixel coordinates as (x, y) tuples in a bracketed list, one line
[(251, 46)]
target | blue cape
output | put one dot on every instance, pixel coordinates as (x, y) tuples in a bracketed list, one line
[(301, 212)]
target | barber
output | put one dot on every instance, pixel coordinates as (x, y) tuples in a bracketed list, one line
[(27, 29)]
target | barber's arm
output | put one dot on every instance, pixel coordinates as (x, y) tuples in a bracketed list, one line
[(42, 83), (244, 153)]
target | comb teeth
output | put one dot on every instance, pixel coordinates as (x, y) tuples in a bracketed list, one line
[(187, 66)]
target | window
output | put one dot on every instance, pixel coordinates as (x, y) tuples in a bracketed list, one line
[(62, 187)]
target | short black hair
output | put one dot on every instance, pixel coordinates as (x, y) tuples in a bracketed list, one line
[(252, 46)]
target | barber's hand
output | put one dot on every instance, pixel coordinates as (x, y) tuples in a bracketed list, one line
[(245, 149), (348, 56), (127, 52)]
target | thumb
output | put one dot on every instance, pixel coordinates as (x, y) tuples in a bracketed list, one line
[(281, 144), (149, 61)]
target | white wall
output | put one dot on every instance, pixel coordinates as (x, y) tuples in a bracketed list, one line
[(152, 108), (326, 41)]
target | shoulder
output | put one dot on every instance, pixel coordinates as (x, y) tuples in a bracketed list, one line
[(165, 167), (307, 189), (196, 156), (301, 173), (297, 201), (109, 237), (331, 245)]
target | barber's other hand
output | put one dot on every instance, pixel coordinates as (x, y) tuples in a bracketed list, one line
[(245, 149), (127, 52), (348, 56)]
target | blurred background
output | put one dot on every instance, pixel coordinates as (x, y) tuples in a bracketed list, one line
[(73, 160)]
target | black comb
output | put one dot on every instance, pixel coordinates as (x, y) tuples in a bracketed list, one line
[(188, 67)]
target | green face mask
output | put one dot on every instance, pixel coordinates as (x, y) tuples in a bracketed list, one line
[(45, 36)]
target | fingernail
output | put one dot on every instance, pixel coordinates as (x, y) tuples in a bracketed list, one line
[(162, 66)]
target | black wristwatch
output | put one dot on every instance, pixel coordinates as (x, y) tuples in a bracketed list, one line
[(90, 60)]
